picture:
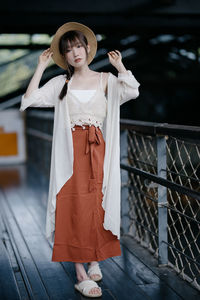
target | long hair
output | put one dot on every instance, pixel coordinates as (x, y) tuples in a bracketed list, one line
[(67, 38)]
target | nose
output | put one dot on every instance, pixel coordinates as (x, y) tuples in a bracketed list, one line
[(75, 51)]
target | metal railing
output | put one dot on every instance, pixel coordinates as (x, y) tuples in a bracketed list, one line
[(163, 191)]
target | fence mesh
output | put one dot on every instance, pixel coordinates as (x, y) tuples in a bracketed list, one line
[(183, 168)]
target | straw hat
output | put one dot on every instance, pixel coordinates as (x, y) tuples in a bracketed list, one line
[(89, 34)]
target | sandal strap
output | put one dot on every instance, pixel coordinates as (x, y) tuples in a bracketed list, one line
[(87, 284), (95, 269)]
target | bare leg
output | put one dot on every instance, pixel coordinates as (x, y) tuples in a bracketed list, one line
[(82, 275)]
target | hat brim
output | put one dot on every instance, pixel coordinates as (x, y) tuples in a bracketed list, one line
[(89, 34)]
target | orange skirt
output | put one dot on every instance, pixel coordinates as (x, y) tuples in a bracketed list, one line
[(79, 232)]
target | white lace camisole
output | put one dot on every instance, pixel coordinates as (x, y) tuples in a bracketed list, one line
[(87, 107)]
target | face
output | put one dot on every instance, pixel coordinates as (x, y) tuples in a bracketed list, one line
[(76, 54)]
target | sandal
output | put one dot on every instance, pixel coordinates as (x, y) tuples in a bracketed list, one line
[(85, 286), (95, 270)]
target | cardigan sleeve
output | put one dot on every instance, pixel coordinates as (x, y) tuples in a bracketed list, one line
[(128, 86), (44, 96)]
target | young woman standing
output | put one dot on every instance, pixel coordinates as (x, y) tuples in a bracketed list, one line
[(83, 212)]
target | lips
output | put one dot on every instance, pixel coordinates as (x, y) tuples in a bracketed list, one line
[(77, 60)]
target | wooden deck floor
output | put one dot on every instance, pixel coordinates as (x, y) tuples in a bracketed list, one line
[(26, 269)]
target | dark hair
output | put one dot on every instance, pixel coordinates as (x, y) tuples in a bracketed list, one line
[(70, 37)]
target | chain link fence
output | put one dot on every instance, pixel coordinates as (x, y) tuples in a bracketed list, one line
[(163, 164)]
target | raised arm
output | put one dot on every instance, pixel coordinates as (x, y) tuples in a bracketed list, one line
[(35, 96), (126, 83)]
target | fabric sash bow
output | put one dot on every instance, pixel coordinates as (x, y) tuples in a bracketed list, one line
[(93, 139)]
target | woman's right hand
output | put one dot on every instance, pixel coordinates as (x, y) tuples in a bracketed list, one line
[(45, 58)]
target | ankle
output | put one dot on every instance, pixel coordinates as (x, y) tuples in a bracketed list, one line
[(80, 272), (92, 263), (81, 277)]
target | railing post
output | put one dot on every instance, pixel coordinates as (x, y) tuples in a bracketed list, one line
[(125, 205), (162, 199)]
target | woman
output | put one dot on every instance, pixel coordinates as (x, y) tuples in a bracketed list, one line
[(83, 212)]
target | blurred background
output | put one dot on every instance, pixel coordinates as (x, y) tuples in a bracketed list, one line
[(159, 40)]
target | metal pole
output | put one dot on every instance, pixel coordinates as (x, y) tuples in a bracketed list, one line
[(125, 205), (162, 199)]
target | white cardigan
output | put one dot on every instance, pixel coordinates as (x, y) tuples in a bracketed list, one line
[(120, 90)]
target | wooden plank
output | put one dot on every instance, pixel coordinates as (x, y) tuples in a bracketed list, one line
[(11, 254), (8, 285), (147, 280), (21, 286), (13, 260), (166, 275), (144, 277), (121, 285), (55, 280), (159, 291), (34, 204), (138, 272), (28, 268)]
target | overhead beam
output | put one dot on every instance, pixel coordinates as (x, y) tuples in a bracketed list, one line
[(113, 16), (110, 23)]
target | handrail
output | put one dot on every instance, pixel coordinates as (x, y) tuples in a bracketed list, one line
[(167, 183), (161, 128)]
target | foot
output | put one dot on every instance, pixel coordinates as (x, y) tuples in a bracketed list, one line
[(85, 287), (82, 275)]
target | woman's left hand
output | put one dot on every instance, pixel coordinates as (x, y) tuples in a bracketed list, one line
[(115, 58)]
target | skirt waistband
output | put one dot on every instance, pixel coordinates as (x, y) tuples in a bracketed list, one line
[(81, 127)]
